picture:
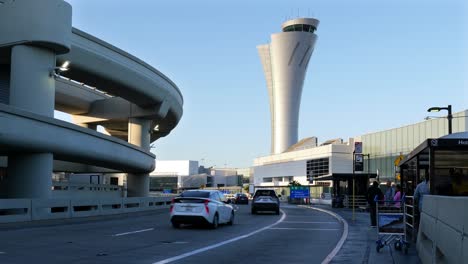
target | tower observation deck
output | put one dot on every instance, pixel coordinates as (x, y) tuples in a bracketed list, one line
[(285, 61)]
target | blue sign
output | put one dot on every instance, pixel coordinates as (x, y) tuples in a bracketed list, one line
[(299, 192)]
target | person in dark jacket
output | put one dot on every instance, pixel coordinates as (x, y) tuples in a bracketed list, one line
[(372, 192)]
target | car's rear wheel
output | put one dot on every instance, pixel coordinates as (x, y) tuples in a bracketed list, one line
[(277, 211), (231, 220), (175, 225), (215, 223)]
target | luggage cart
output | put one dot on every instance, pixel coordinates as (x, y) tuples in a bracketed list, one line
[(391, 225)]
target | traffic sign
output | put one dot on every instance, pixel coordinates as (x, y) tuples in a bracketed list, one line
[(299, 192)]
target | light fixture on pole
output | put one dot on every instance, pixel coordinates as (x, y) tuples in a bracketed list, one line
[(449, 116), (55, 72)]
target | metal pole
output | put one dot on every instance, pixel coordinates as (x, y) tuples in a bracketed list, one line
[(449, 117), (353, 183)]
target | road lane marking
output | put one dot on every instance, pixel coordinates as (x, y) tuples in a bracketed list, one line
[(1, 252), (133, 232), (299, 222), (197, 251), (343, 236), (310, 229)]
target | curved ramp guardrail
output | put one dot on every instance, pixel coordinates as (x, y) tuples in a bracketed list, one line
[(22, 210), (69, 142)]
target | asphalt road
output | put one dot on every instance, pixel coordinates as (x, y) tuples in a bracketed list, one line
[(297, 235)]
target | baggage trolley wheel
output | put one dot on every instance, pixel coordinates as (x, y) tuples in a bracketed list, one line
[(397, 245), (405, 248), (378, 246)]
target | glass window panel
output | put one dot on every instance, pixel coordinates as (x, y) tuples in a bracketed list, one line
[(450, 172), (288, 28)]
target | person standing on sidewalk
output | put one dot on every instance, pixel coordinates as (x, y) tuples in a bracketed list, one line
[(389, 193), (372, 192), (421, 190), (397, 197)]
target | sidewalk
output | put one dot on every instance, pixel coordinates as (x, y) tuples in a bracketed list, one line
[(360, 246)]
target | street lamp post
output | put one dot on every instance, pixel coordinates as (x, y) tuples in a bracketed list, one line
[(449, 116)]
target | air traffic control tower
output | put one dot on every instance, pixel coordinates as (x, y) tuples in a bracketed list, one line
[(285, 62)]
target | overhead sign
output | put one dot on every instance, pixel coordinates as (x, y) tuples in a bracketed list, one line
[(358, 162), (358, 147), (299, 192), (398, 160)]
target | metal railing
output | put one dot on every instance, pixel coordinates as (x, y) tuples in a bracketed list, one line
[(360, 201), (410, 217)]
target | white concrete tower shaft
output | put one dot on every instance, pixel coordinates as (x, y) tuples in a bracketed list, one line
[(285, 62)]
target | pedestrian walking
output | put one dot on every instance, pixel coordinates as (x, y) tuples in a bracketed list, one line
[(372, 192)]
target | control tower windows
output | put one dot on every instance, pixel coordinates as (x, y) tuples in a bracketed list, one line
[(299, 28)]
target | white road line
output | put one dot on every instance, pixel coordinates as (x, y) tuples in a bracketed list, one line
[(133, 232), (197, 251), (1, 252), (299, 222), (311, 229), (343, 236)]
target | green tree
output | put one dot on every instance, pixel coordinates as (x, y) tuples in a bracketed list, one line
[(294, 183)]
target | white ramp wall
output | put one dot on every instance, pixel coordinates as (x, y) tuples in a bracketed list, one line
[(443, 231)]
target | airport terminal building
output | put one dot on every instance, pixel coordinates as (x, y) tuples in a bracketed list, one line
[(331, 164)]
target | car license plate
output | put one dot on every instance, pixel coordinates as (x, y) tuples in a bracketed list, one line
[(188, 209)]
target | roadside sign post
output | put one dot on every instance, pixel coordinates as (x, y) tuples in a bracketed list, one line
[(357, 161), (358, 165), (299, 192)]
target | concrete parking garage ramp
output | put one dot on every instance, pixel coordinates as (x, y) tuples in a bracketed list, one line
[(103, 86)]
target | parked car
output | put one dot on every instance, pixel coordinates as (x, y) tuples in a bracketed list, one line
[(201, 207), (241, 198), (265, 200)]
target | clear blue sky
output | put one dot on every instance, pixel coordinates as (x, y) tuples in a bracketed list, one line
[(377, 65)]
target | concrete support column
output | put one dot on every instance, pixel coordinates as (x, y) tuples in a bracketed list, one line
[(139, 135), (139, 132), (31, 89), (30, 175)]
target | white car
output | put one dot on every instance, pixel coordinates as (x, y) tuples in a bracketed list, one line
[(201, 207)]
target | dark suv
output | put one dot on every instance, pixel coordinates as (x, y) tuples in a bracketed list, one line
[(241, 198), (265, 200)]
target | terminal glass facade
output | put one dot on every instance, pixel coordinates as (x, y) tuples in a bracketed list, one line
[(386, 146)]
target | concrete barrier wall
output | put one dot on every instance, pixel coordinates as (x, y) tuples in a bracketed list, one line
[(15, 210), (50, 209), (443, 231), (22, 210)]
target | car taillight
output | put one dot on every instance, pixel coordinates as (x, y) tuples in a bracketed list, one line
[(172, 206), (206, 206)]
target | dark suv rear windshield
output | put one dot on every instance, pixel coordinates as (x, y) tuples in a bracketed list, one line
[(195, 194), (265, 193)]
